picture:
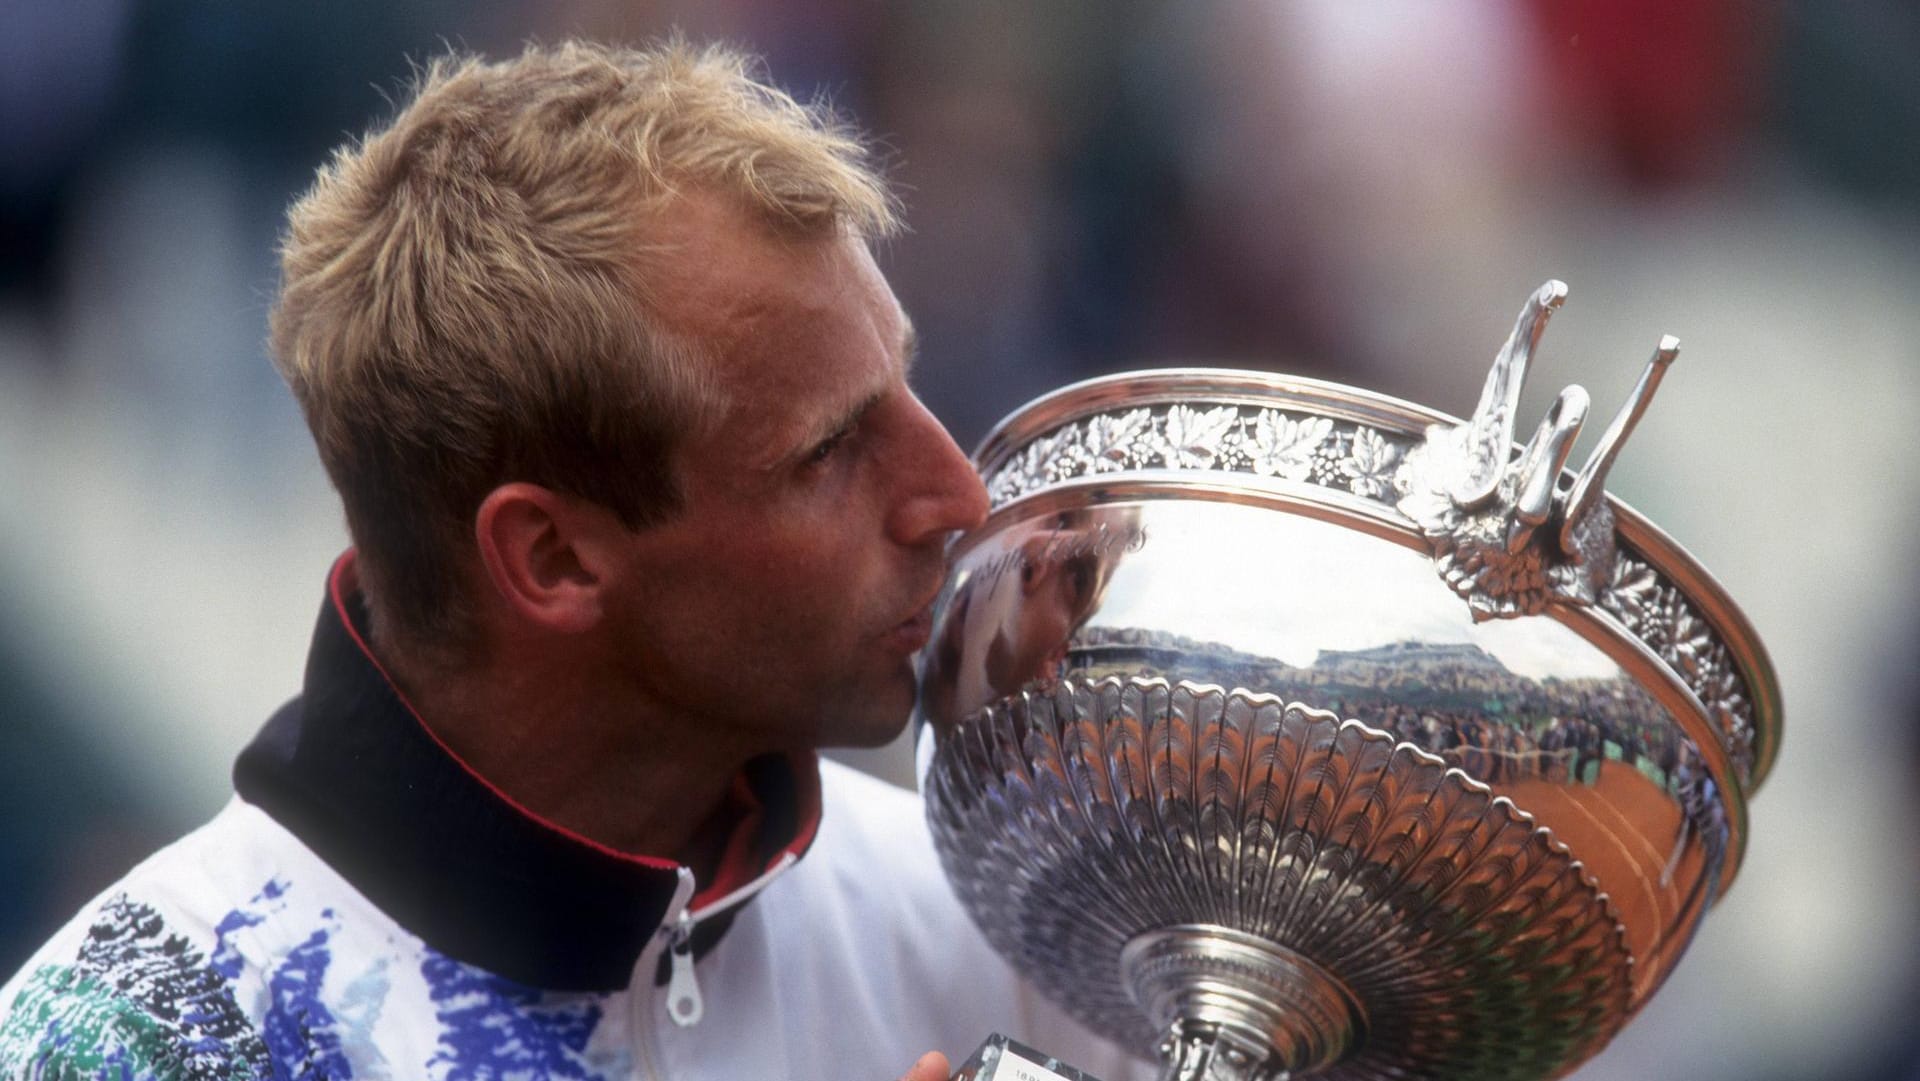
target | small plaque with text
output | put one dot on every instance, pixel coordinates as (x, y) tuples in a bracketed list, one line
[(1001, 1059)]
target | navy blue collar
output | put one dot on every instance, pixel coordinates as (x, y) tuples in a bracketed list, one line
[(351, 770)]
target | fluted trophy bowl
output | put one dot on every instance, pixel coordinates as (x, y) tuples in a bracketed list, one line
[(1279, 728)]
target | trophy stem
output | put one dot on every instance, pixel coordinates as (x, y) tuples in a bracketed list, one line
[(1209, 1053), (1239, 1008)]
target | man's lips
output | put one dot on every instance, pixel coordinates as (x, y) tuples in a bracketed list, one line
[(911, 634)]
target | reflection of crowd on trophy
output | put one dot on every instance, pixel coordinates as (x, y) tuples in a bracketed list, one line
[(1701, 812), (1454, 701), (1458, 703)]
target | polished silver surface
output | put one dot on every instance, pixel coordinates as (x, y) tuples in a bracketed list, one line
[(1284, 729)]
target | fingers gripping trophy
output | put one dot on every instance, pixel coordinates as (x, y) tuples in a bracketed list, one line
[(1282, 729)]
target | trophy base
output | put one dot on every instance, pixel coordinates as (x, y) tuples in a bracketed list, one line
[(1001, 1059), (1260, 1009)]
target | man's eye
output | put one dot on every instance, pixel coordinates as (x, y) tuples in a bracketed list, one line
[(829, 446)]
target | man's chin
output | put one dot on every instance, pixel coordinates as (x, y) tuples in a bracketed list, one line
[(874, 722), (876, 731)]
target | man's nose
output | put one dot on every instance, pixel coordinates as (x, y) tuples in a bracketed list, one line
[(943, 491)]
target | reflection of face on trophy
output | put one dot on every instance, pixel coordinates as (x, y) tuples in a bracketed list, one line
[(1280, 728), (1020, 615)]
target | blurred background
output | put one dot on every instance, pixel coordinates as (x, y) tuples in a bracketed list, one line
[(1358, 191)]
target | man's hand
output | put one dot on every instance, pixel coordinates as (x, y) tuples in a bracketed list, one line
[(932, 1066)]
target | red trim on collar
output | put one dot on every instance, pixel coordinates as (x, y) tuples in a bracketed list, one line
[(737, 867), (806, 774), (737, 863)]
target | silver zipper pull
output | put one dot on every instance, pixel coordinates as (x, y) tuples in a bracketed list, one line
[(684, 1004)]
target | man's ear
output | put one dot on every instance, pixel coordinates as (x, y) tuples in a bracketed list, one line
[(548, 556)]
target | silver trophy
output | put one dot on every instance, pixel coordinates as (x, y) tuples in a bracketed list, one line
[(1282, 729)]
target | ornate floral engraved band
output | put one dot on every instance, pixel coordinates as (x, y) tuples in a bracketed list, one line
[(1275, 727)]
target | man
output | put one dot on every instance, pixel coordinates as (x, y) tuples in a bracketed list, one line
[(644, 512)]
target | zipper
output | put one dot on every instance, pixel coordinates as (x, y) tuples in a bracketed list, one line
[(684, 1002), (643, 995), (685, 1005)]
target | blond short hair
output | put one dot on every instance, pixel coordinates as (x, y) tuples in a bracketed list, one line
[(464, 300)]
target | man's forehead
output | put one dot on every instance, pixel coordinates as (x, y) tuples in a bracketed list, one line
[(714, 270), (707, 264), (800, 332)]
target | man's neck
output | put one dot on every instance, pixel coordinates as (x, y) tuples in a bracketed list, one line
[(595, 766)]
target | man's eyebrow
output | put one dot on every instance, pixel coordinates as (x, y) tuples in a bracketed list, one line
[(847, 418), (851, 417), (909, 352), (839, 422)]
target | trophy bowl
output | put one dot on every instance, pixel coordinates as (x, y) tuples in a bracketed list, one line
[(1280, 728)]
